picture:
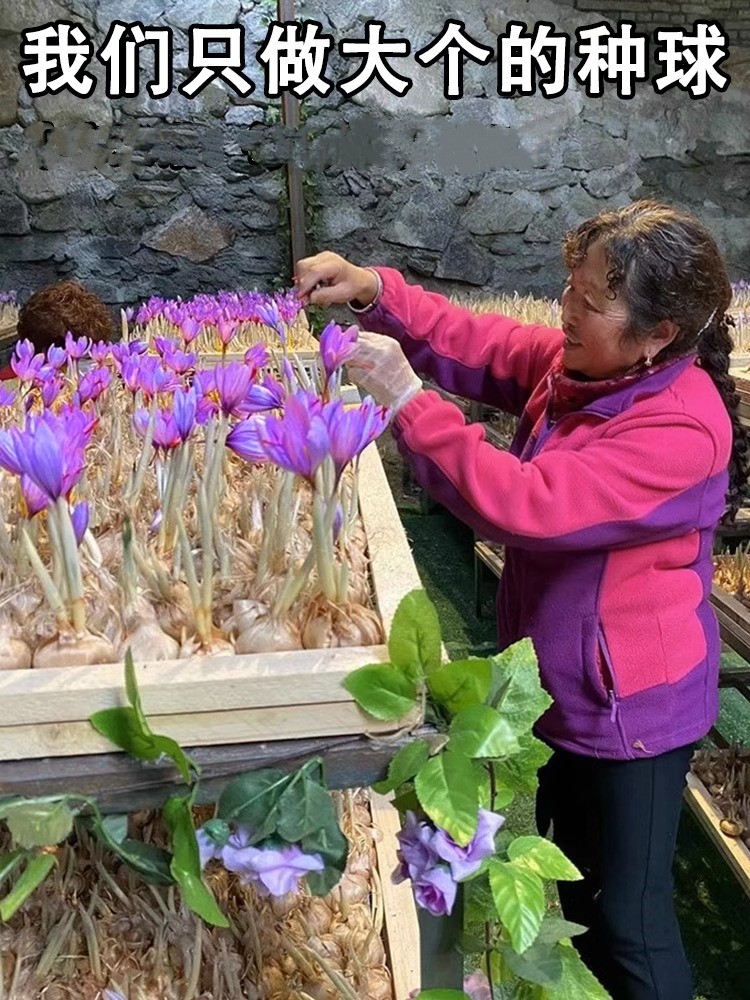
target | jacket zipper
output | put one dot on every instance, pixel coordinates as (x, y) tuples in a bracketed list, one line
[(607, 675)]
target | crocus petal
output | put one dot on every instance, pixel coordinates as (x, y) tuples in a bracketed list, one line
[(80, 518)]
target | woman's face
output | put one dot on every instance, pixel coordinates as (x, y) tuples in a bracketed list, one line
[(594, 322)]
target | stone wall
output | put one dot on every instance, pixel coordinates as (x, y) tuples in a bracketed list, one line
[(733, 15), (139, 195)]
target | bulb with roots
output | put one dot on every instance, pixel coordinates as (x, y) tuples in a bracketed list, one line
[(329, 625), (259, 631), (15, 654), (144, 636), (70, 649)]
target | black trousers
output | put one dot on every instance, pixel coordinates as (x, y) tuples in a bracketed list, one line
[(617, 821)]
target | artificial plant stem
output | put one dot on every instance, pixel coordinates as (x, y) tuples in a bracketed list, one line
[(51, 593)]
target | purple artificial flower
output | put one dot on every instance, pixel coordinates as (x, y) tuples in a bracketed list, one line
[(232, 385), (256, 357), (246, 439), (77, 347), (25, 362), (435, 891), (336, 345), (351, 430), (274, 871), (56, 357), (7, 397), (92, 384), (464, 861), (298, 440), (415, 852), (79, 515)]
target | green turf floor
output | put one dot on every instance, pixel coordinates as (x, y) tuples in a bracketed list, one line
[(714, 912)]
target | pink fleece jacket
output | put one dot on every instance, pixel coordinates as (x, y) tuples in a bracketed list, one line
[(607, 516)]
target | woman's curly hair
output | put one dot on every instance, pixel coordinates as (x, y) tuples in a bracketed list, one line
[(666, 265), (66, 306)]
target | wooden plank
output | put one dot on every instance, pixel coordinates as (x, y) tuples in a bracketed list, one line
[(174, 687), (491, 559), (63, 739), (709, 816), (394, 572), (120, 783), (734, 621), (403, 938)]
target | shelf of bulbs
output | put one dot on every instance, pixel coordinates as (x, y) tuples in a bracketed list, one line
[(208, 501)]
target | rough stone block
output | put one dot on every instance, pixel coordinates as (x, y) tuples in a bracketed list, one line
[(14, 216), (190, 233), (498, 212)]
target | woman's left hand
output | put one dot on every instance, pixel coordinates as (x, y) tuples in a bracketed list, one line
[(379, 367)]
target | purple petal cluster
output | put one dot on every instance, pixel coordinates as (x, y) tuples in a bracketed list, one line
[(336, 345), (274, 871), (26, 363), (435, 863)]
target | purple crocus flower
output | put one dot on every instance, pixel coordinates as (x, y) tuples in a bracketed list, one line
[(35, 499), (246, 439), (25, 362), (49, 450), (351, 430), (232, 385), (137, 347), (464, 861), (336, 345), (153, 378), (179, 362), (268, 313), (77, 347), (256, 357), (56, 357), (7, 397), (267, 395), (273, 871), (298, 440), (189, 329), (92, 384), (435, 891), (79, 515), (227, 329), (101, 352), (184, 409), (166, 435), (163, 345), (50, 387)]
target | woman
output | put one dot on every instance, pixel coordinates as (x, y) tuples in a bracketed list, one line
[(626, 456)]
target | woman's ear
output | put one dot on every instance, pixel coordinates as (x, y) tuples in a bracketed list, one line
[(663, 334)]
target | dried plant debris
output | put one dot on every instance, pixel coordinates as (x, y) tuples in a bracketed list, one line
[(726, 775), (95, 931)]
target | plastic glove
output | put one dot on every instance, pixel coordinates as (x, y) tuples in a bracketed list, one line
[(379, 367)]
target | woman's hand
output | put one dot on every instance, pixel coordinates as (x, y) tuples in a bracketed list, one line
[(327, 279), (379, 367)]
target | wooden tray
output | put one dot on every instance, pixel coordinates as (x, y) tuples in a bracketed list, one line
[(709, 816), (221, 700)]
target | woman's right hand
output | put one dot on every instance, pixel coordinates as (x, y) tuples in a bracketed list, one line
[(327, 279)]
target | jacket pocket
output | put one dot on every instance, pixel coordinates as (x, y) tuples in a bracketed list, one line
[(597, 665)]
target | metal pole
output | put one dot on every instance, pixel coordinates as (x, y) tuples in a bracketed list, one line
[(290, 117)]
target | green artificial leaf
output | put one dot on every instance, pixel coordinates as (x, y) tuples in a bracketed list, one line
[(461, 684), (519, 900), (116, 826), (9, 802), (541, 856), (442, 995), (39, 824), (406, 802), (251, 799), (332, 846), (519, 773), (404, 765), (556, 929), (480, 731), (446, 787), (540, 964), (303, 808), (382, 690), (186, 865), (414, 643), (10, 861), (576, 980), (517, 692), (150, 862), (128, 729), (36, 871)]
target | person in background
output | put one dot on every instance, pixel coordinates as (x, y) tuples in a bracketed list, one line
[(628, 452), (53, 311)]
